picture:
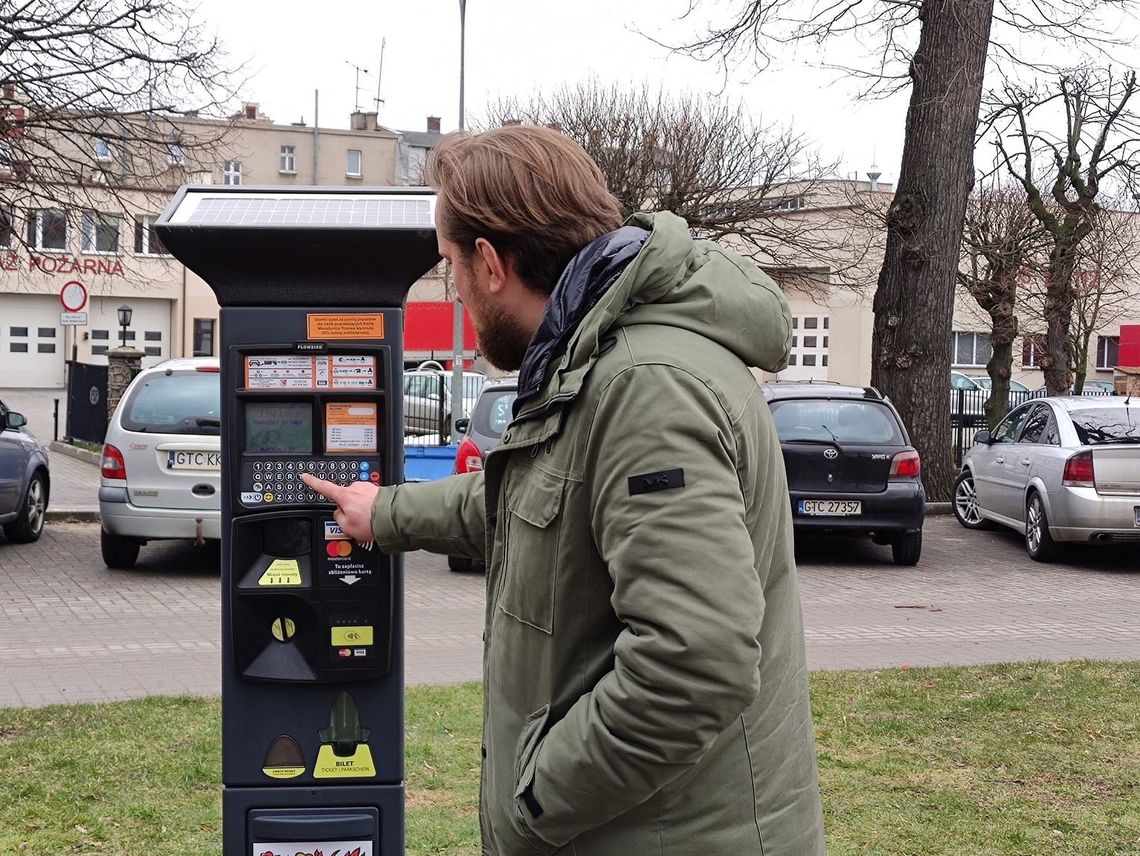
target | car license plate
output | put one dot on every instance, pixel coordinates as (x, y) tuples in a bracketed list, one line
[(189, 460), (1136, 511), (830, 507)]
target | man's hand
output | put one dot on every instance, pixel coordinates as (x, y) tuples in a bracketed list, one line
[(354, 504)]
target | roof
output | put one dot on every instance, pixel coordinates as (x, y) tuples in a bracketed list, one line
[(777, 390), (421, 139), (178, 364), (1084, 402)]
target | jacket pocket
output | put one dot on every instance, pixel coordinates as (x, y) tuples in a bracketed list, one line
[(531, 546), (533, 730)]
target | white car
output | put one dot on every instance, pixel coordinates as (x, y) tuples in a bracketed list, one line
[(1057, 469), (161, 467)]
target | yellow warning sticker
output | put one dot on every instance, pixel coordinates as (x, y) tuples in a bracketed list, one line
[(283, 772), (281, 572), (332, 766), (357, 325), (351, 636)]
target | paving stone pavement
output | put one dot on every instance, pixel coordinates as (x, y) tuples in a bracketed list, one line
[(72, 630)]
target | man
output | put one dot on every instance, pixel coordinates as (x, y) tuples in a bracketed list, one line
[(644, 677)]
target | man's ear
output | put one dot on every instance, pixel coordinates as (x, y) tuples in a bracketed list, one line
[(498, 266)]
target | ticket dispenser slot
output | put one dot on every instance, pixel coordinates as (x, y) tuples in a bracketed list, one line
[(311, 283)]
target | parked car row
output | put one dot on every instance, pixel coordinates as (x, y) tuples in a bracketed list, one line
[(25, 479)]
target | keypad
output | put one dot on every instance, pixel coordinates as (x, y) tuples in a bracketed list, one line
[(277, 481)]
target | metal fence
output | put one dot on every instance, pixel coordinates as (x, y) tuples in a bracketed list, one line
[(428, 411), (968, 413)]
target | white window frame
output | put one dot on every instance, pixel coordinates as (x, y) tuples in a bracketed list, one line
[(145, 223), (175, 155), (1102, 363), (231, 173), (359, 163), (287, 160), (90, 223), (973, 349), (36, 231), (103, 151), (1035, 354)]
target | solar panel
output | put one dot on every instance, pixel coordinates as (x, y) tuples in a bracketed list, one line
[(249, 209)]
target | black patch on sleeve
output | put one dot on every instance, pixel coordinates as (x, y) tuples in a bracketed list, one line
[(650, 482)]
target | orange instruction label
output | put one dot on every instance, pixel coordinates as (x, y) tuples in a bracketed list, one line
[(346, 326)]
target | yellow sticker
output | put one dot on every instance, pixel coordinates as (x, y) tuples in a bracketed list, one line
[(333, 766), (281, 572), (283, 772), (352, 636)]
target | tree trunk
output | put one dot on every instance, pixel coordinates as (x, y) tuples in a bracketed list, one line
[(914, 302), (1081, 361), (1056, 364), (1003, 323)]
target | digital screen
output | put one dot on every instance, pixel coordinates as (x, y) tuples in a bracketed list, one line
[(276, 428), (350, 426)]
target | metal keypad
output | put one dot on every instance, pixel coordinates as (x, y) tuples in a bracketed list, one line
[(277, 481)]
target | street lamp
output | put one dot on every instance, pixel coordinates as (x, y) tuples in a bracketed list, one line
[(457, 308), (125, 313)]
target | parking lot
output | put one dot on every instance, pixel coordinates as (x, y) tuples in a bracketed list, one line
[(73, 631)]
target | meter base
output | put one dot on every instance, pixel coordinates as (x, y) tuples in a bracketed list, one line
[(356, 814)]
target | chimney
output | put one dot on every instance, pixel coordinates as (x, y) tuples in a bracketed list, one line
[(9, 90), (360, 121), (511, 122), (249, 110), (433, 124)]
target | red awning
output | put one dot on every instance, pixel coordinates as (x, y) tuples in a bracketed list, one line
[(428, 326)]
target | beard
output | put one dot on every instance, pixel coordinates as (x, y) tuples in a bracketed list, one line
[(501, 339)]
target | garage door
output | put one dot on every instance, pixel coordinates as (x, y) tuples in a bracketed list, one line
[(807, 359), (31, 341)]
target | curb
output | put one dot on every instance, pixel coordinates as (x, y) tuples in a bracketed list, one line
[(74, 452), (938, 508), (72, 516)]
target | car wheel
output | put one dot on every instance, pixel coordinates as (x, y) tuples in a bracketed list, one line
[(966, 502), (907, 548), (33, 510), (118, 550), (460, 564), (1038, 542)]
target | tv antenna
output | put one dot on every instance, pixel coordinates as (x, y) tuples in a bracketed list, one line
[(356, 95), (380, 75)]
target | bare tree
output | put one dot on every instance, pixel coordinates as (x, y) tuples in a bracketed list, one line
[(1106, 266), (1096, 144), (104, 100), (944, 65), (733, 180)]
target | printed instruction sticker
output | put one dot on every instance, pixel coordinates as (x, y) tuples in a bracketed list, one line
[(312, 848), (356, 325), (350, 427), (281, 572), (356, 766), (288, 371)]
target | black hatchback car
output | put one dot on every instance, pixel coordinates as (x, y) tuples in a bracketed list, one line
[(851, 467)]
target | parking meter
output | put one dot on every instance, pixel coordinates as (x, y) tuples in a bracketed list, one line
[(311, 283)]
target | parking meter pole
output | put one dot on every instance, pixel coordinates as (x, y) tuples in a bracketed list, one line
[(312, 621), (457, 372)]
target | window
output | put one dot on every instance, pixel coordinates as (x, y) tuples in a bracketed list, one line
[(153, 336), (100, 334), (7, 157), (354, 164), (98, 350), (47, 229), (17, 331), (792, 203), (845, 421), (18, 347), (288, 160), (102, 148), (6, 227), (231, 172), (174, 154), (203, 337), (1096, 427), (153, 352), (46, 347), (1107, 352), (1007, 429), (147, 242), (100, 232), (1032, 350), (1035, 425), (970, 349), (46, 332)]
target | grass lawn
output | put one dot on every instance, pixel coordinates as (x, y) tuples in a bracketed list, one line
[(1024, 759)]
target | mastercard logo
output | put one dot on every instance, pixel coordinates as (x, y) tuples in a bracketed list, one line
[(338, 548)]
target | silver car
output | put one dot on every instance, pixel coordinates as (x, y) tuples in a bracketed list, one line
[(25, 481), (162, 460), (1057, 469)]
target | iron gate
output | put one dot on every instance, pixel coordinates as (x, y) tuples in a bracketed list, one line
[(86, 402)]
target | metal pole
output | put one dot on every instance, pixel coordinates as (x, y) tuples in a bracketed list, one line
[(457, 315)]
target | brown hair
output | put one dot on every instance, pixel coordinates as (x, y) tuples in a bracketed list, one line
[(532, 192)]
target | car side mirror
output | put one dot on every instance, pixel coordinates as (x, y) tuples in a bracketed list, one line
[(15, 420), (461, 425), (982, 437)]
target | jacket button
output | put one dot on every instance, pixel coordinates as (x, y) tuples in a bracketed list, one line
[(507, 437)]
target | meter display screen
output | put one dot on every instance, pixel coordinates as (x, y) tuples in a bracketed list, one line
[(278, 428), (350, 426)]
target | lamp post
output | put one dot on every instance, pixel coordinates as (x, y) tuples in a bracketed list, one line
[(457, 313), (125, 313)]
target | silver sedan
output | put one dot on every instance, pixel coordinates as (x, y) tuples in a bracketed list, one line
[(1057, 469)]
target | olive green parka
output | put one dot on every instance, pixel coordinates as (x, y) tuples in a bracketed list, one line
[(645, 687)]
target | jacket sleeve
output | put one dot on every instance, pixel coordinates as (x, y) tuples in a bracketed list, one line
[(444, 516), (685, 589)]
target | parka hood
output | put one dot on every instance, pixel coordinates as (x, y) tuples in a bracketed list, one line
[(651, 271)]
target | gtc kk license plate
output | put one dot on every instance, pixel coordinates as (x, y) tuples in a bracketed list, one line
[(190, 460)]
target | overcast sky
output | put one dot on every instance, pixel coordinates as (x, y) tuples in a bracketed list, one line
[(517, 47)]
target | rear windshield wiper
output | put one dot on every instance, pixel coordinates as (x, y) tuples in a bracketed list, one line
[(203, 421), (812, 440)]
